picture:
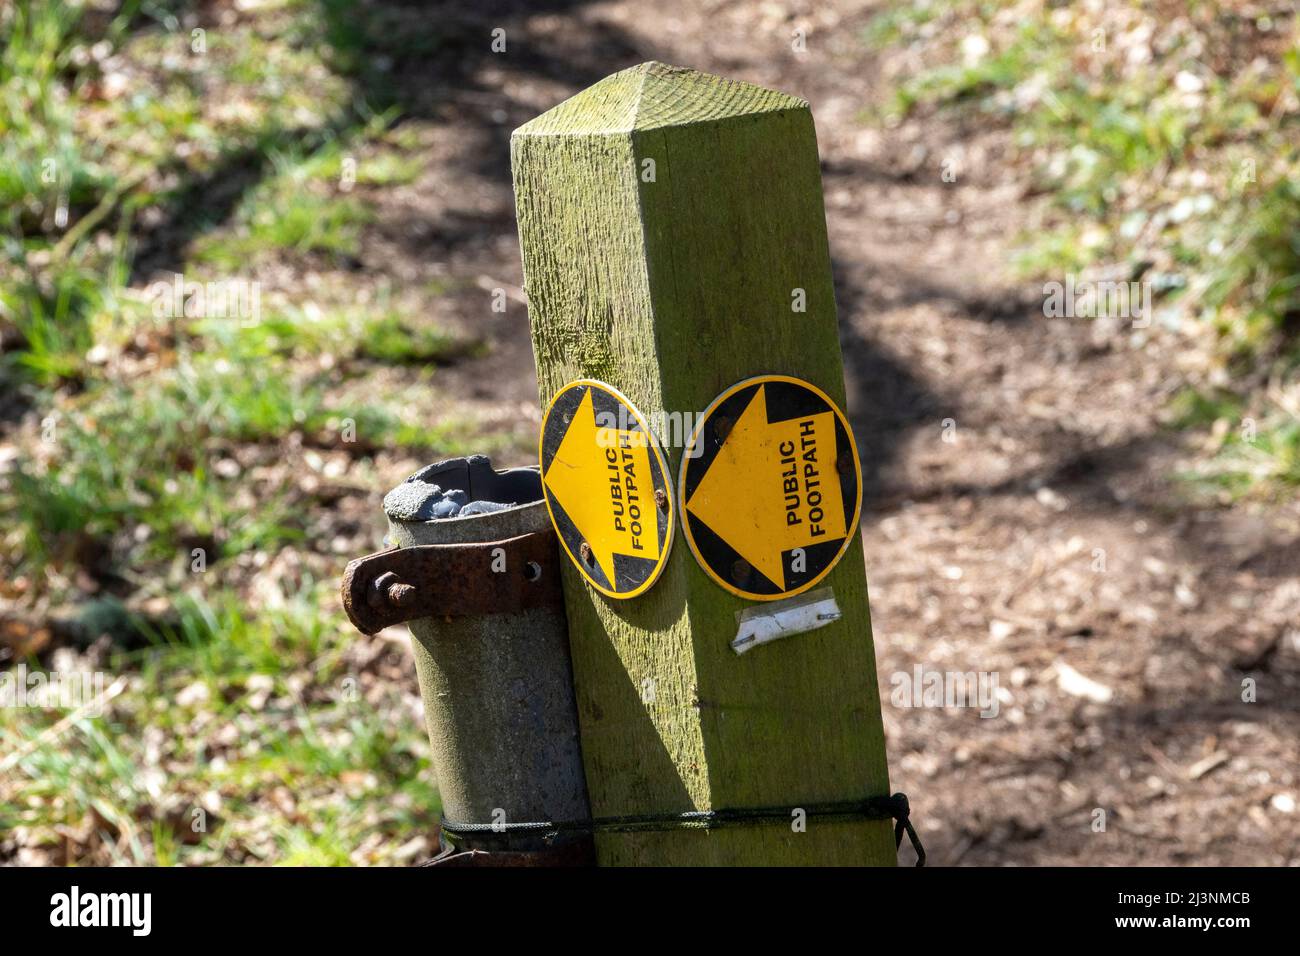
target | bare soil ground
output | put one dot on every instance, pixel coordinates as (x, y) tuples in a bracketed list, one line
[(1023, 512)]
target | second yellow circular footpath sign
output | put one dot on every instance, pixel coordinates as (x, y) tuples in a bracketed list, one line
[(770, 487), (606, 487)]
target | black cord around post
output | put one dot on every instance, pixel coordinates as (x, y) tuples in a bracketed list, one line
[(896, 808)]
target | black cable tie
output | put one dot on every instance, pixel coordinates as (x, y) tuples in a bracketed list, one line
[(894, 808)]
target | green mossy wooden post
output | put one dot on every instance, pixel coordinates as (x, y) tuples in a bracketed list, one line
[(666, 217)]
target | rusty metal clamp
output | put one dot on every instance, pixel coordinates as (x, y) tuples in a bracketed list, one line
[(494, 577)]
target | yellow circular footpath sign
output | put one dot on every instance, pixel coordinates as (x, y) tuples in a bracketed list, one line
[(606, 487), (770, 487)]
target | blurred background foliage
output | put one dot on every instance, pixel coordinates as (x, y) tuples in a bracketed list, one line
[(158, 524), (179, 490), (1170, 157)]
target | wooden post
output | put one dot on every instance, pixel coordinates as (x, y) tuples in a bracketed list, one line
[(668, 219)]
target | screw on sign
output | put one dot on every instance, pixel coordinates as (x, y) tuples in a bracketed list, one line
[(770, 487), (606, 487)]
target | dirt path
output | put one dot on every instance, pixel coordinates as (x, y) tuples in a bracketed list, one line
[(1022, 520)]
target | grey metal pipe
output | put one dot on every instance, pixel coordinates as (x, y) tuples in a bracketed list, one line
[(497, 688)]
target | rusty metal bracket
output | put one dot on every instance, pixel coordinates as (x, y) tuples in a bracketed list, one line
[(492, 577)]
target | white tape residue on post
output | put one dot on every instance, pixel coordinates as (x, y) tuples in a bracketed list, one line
[(762, 623)]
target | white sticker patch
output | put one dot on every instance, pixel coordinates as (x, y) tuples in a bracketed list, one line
[(763, 623)]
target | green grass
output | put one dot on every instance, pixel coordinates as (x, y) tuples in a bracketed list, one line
[(43, 164), (47, 175), (171, 432), (1144, 164), (129, 473), (52, 315), (391, 337), (1255, 285), (1267, 464), (375, 154), (382, 330), (278, 717), (288, 212), (134, 461), (1110, 141), (304, 205), (1256, 441)]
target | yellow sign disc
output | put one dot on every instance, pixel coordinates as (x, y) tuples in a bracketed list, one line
[(771, 487), (606, 487)]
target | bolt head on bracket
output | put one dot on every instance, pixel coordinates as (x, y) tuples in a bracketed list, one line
[(491, 577)]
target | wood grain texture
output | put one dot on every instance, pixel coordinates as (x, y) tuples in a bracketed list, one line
[(671, 290)]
